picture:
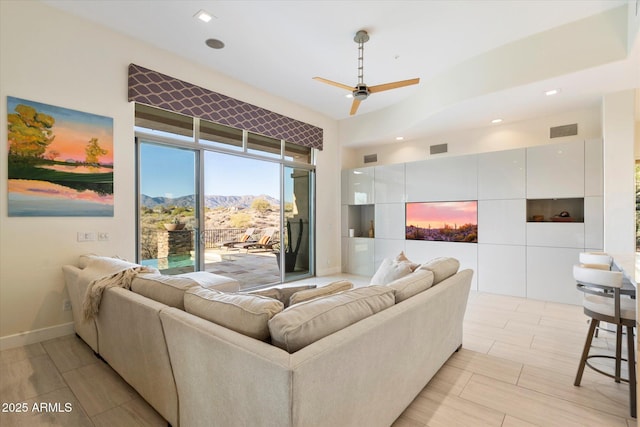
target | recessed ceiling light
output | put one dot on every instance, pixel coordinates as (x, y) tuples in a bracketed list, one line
[(203, 15), (496, 121), (552, 92), (399, 138), (214, 43)]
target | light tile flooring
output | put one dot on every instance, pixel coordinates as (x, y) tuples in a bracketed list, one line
[(515, 369)]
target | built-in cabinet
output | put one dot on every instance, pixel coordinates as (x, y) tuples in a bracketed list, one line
[(525, 248)]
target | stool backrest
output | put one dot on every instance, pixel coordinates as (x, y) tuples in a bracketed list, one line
[(596, 258), (597, 276)]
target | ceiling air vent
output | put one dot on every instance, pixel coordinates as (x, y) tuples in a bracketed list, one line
[(438, 149), (370, 158), (565, 130)]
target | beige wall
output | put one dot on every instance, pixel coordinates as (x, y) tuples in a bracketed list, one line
[(52, 57)]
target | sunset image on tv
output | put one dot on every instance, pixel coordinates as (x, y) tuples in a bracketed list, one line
[(442, 221)]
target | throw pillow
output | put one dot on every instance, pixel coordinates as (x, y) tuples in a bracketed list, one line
[(403, 258), (303, 324), (442, 268), (246, 314), (329, 289), (389, 271), (412, 284)]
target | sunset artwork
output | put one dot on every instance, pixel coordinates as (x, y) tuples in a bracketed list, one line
[(60, 161), (442, 221)]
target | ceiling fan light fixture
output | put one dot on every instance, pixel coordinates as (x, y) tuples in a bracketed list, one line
[(214, 43)]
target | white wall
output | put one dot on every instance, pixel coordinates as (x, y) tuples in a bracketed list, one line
[(618, 123), (56, 58)]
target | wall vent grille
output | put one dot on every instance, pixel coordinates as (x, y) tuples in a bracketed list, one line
[(438, 149), (565, 130), (370, 158)]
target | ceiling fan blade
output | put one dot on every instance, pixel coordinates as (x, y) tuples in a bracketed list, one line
[(354, 106), (394, 85), (332, 83)]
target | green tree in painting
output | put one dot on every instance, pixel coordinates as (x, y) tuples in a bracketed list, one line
[(94, 151), (30, 132)]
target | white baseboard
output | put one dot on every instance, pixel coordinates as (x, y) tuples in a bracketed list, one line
[(328, 271), (35, 336)]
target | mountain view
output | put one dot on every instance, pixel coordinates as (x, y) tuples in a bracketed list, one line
[(210, 202)]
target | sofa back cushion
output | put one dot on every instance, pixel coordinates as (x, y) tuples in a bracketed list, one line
[(244, 313), (330, 289), (307, 322), (212, 281), (168, 290), (442, 268), (414, 283)]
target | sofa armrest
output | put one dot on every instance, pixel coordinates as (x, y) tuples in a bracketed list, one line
[(86, 329), (225, 378)]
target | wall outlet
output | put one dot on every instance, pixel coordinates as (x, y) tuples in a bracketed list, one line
[(86, 236), (66, 305), (103, 236)]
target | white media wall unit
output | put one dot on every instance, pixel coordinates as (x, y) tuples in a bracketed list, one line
[(538, 208)]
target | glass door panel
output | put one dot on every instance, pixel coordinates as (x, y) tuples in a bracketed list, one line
[(241, 218), (168, 208), (296, 246)]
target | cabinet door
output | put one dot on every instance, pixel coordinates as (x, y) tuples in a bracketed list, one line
[(502, 269), (390, 222), (501, 175), (556, 234), (360, 256), (360, 187), (502, 221), (555, 171), (550, 275), (389, 183), (445, 179)]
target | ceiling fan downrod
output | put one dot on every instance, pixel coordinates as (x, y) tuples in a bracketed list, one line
[(361, 91)]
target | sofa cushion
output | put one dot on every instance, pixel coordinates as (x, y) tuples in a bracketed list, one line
[(243, 313), (330, 289), (282, 294), (212, 281), (307, 322), (411, 284), (168, 290), (442, 268), (390, 270)]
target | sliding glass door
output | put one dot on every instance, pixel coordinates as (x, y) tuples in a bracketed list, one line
[(224, 200), (296, 247), (168, 208)]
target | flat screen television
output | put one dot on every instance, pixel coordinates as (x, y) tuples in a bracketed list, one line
[(442, 221)]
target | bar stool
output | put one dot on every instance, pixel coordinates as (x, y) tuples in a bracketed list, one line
[(602, 302)]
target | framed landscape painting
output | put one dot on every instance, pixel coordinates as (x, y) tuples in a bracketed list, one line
[(60, 161)]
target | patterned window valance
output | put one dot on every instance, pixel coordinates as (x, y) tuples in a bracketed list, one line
[(162, 91)]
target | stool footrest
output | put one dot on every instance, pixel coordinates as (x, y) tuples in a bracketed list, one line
[(600, 371)]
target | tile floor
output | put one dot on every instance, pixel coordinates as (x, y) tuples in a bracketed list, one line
[(516, 368)]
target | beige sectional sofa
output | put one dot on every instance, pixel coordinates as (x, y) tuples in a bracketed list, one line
[(357, 357)]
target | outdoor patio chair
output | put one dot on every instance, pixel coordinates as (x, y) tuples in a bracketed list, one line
[(266, 241), (245, 238)]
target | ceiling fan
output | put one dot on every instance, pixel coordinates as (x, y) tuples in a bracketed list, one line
[(361, 91)]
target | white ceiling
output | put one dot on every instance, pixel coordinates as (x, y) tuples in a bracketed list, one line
[(278, 46)]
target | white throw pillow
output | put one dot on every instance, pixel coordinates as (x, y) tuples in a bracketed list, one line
[(243, 313), (389, 271)]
